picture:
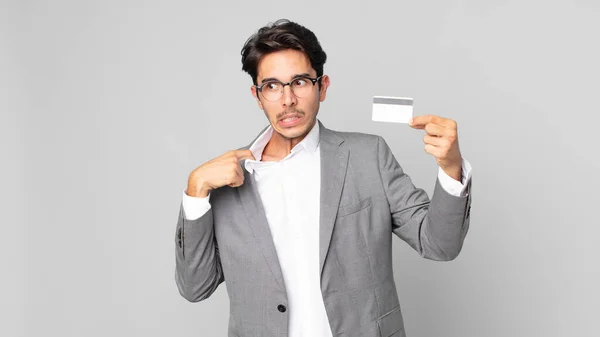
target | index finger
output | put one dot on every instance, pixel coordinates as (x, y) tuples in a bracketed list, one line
[(244, 154)]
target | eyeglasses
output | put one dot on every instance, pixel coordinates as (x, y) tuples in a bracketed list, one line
[(301, 86)]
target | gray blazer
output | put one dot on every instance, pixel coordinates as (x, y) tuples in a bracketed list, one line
[(365, 197)]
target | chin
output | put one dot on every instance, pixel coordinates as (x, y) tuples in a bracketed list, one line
[(295, 132), (291, 134)]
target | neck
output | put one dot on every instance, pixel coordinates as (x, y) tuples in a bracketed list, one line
[(280, 146)]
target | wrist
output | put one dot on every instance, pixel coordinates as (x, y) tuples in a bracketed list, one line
[(197, 188), (454, 172)]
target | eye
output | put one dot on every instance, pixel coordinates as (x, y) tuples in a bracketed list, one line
[(271, 86), (300, 82)]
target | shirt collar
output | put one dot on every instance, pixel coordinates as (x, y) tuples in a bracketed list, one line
[(309, 144)]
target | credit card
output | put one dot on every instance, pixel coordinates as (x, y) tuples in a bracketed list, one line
[(392, 109)]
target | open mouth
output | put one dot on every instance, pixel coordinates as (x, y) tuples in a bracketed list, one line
[(290, 121)]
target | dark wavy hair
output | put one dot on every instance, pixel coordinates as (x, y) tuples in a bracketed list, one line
[(280, 35)]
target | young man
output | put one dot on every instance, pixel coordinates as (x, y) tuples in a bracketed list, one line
[(299, 223)]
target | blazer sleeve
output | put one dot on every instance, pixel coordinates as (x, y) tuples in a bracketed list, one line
[(198, 270), (435, 228)]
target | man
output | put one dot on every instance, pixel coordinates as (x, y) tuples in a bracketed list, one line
[(301, 231)]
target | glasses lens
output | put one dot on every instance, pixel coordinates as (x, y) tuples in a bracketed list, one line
[(302, 86), (272, 90)]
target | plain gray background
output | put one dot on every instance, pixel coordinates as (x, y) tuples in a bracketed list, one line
[(108, 105)]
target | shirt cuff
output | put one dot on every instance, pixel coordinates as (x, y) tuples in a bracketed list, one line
[(452, 186), (193, 207)]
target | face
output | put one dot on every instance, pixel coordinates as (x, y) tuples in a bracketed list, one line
[(284, 66)]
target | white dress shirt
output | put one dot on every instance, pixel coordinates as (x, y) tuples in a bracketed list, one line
[(290, 193)]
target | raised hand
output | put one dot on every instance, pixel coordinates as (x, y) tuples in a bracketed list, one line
[(441, 141), (218, 172)]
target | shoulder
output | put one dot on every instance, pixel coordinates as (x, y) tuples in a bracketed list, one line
[(358, 140), (365, 146)]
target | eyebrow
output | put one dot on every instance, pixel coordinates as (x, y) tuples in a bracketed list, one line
[(274, 79)]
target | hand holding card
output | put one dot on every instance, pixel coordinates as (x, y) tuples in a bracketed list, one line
[(441, 141)]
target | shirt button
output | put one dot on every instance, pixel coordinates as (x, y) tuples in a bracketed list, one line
[(281, 308)]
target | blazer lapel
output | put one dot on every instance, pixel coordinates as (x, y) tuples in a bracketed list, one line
[(257, 220), (334, 162)]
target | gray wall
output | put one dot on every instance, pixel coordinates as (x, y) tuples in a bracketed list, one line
[(108, 105)]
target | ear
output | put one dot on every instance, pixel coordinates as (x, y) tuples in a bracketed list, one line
[(324, 85), (255, 94)]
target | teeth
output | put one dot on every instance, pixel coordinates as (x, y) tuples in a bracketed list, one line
[(290, 119)]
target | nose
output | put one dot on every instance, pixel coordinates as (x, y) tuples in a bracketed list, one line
[(289, 99)]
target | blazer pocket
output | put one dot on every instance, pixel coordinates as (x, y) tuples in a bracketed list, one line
[(353, 208), (391, 322)]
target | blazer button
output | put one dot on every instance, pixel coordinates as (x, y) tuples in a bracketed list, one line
[(281, 308)]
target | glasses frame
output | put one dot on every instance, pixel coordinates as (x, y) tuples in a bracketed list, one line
[(313, 80)]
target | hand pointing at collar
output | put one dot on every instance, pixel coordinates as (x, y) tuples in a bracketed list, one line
[(218, 172)]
